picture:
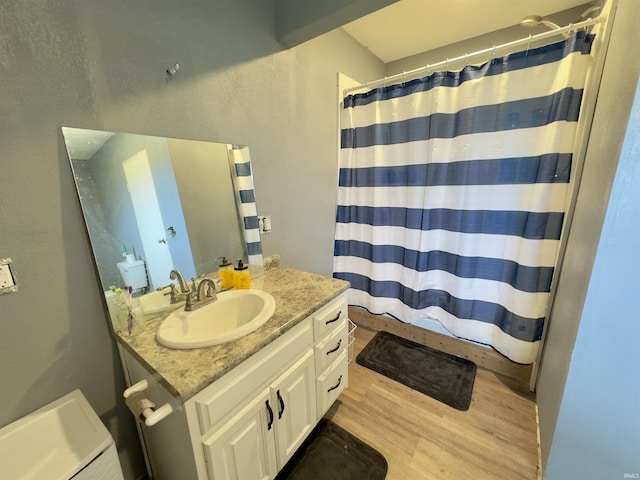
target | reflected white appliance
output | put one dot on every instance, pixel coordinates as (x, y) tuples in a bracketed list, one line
[(134, 274), (63, 440)]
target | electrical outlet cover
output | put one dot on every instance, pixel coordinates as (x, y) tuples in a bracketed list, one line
[(7, 281)]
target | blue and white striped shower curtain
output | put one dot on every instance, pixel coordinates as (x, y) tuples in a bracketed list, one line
[(453, 190)]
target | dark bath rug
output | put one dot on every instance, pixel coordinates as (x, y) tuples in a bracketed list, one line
[(332, 453), (442, 376)]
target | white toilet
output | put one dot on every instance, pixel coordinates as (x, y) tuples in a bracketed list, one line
[(61, 441), (134, 274)]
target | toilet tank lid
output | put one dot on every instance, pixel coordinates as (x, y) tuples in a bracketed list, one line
[(56, 441), (134, 264)]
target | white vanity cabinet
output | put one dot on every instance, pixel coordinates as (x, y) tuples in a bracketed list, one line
[(268, 430), (244, 437), (247, 424), (331, 331)]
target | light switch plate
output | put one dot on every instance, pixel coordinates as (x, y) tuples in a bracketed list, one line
[(264, 223), (7, 280)]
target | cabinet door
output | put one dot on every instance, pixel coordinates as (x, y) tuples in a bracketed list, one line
[(244, 447), (294, 396)]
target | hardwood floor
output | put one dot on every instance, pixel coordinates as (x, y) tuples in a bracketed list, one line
[(422, 438)]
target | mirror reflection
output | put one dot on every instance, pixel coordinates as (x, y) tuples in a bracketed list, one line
[(154, 204)]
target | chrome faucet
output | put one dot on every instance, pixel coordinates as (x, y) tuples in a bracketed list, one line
[(194, 282), (184, 288), (206, 293), (183, 285)]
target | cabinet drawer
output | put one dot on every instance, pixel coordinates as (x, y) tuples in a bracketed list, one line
[(331, 347), (331, 383), (226, 394), (329, 316)]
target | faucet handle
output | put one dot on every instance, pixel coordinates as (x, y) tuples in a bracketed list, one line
[(195, 282), (210, 287), (173, 293), (215, 287), (190, 300)]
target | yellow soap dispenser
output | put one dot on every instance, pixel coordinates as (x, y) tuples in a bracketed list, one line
[(226, 273), (241, 276)]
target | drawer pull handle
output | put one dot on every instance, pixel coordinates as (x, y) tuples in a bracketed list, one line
[(281, 408), (270, 422), (334, 319), (335, 349), (336, 385)]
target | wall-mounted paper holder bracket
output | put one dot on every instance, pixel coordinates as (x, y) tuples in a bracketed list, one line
[(144, 408)]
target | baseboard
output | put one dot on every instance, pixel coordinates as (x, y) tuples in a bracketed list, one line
[(486, 358)]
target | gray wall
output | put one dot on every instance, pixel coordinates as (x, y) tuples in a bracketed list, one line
[(101, 65), (559, 359), (597, 433)]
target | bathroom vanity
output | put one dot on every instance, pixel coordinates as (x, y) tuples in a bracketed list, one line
[(242, 408)]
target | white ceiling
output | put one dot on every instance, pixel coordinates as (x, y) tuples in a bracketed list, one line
[(409, 27)]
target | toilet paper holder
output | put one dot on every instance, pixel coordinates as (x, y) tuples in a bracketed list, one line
[(143, 408)]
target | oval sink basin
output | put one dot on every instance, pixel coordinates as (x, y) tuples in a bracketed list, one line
[(234, 314)]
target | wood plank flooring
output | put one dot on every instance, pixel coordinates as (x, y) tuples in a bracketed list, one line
[(422, 438)]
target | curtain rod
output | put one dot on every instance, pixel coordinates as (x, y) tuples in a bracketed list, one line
[(505, 46)]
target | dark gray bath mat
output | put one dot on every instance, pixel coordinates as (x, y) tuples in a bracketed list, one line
[(442, 376), (332, 453)]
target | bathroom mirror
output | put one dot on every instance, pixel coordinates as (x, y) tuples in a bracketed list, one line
[(153, 204)]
